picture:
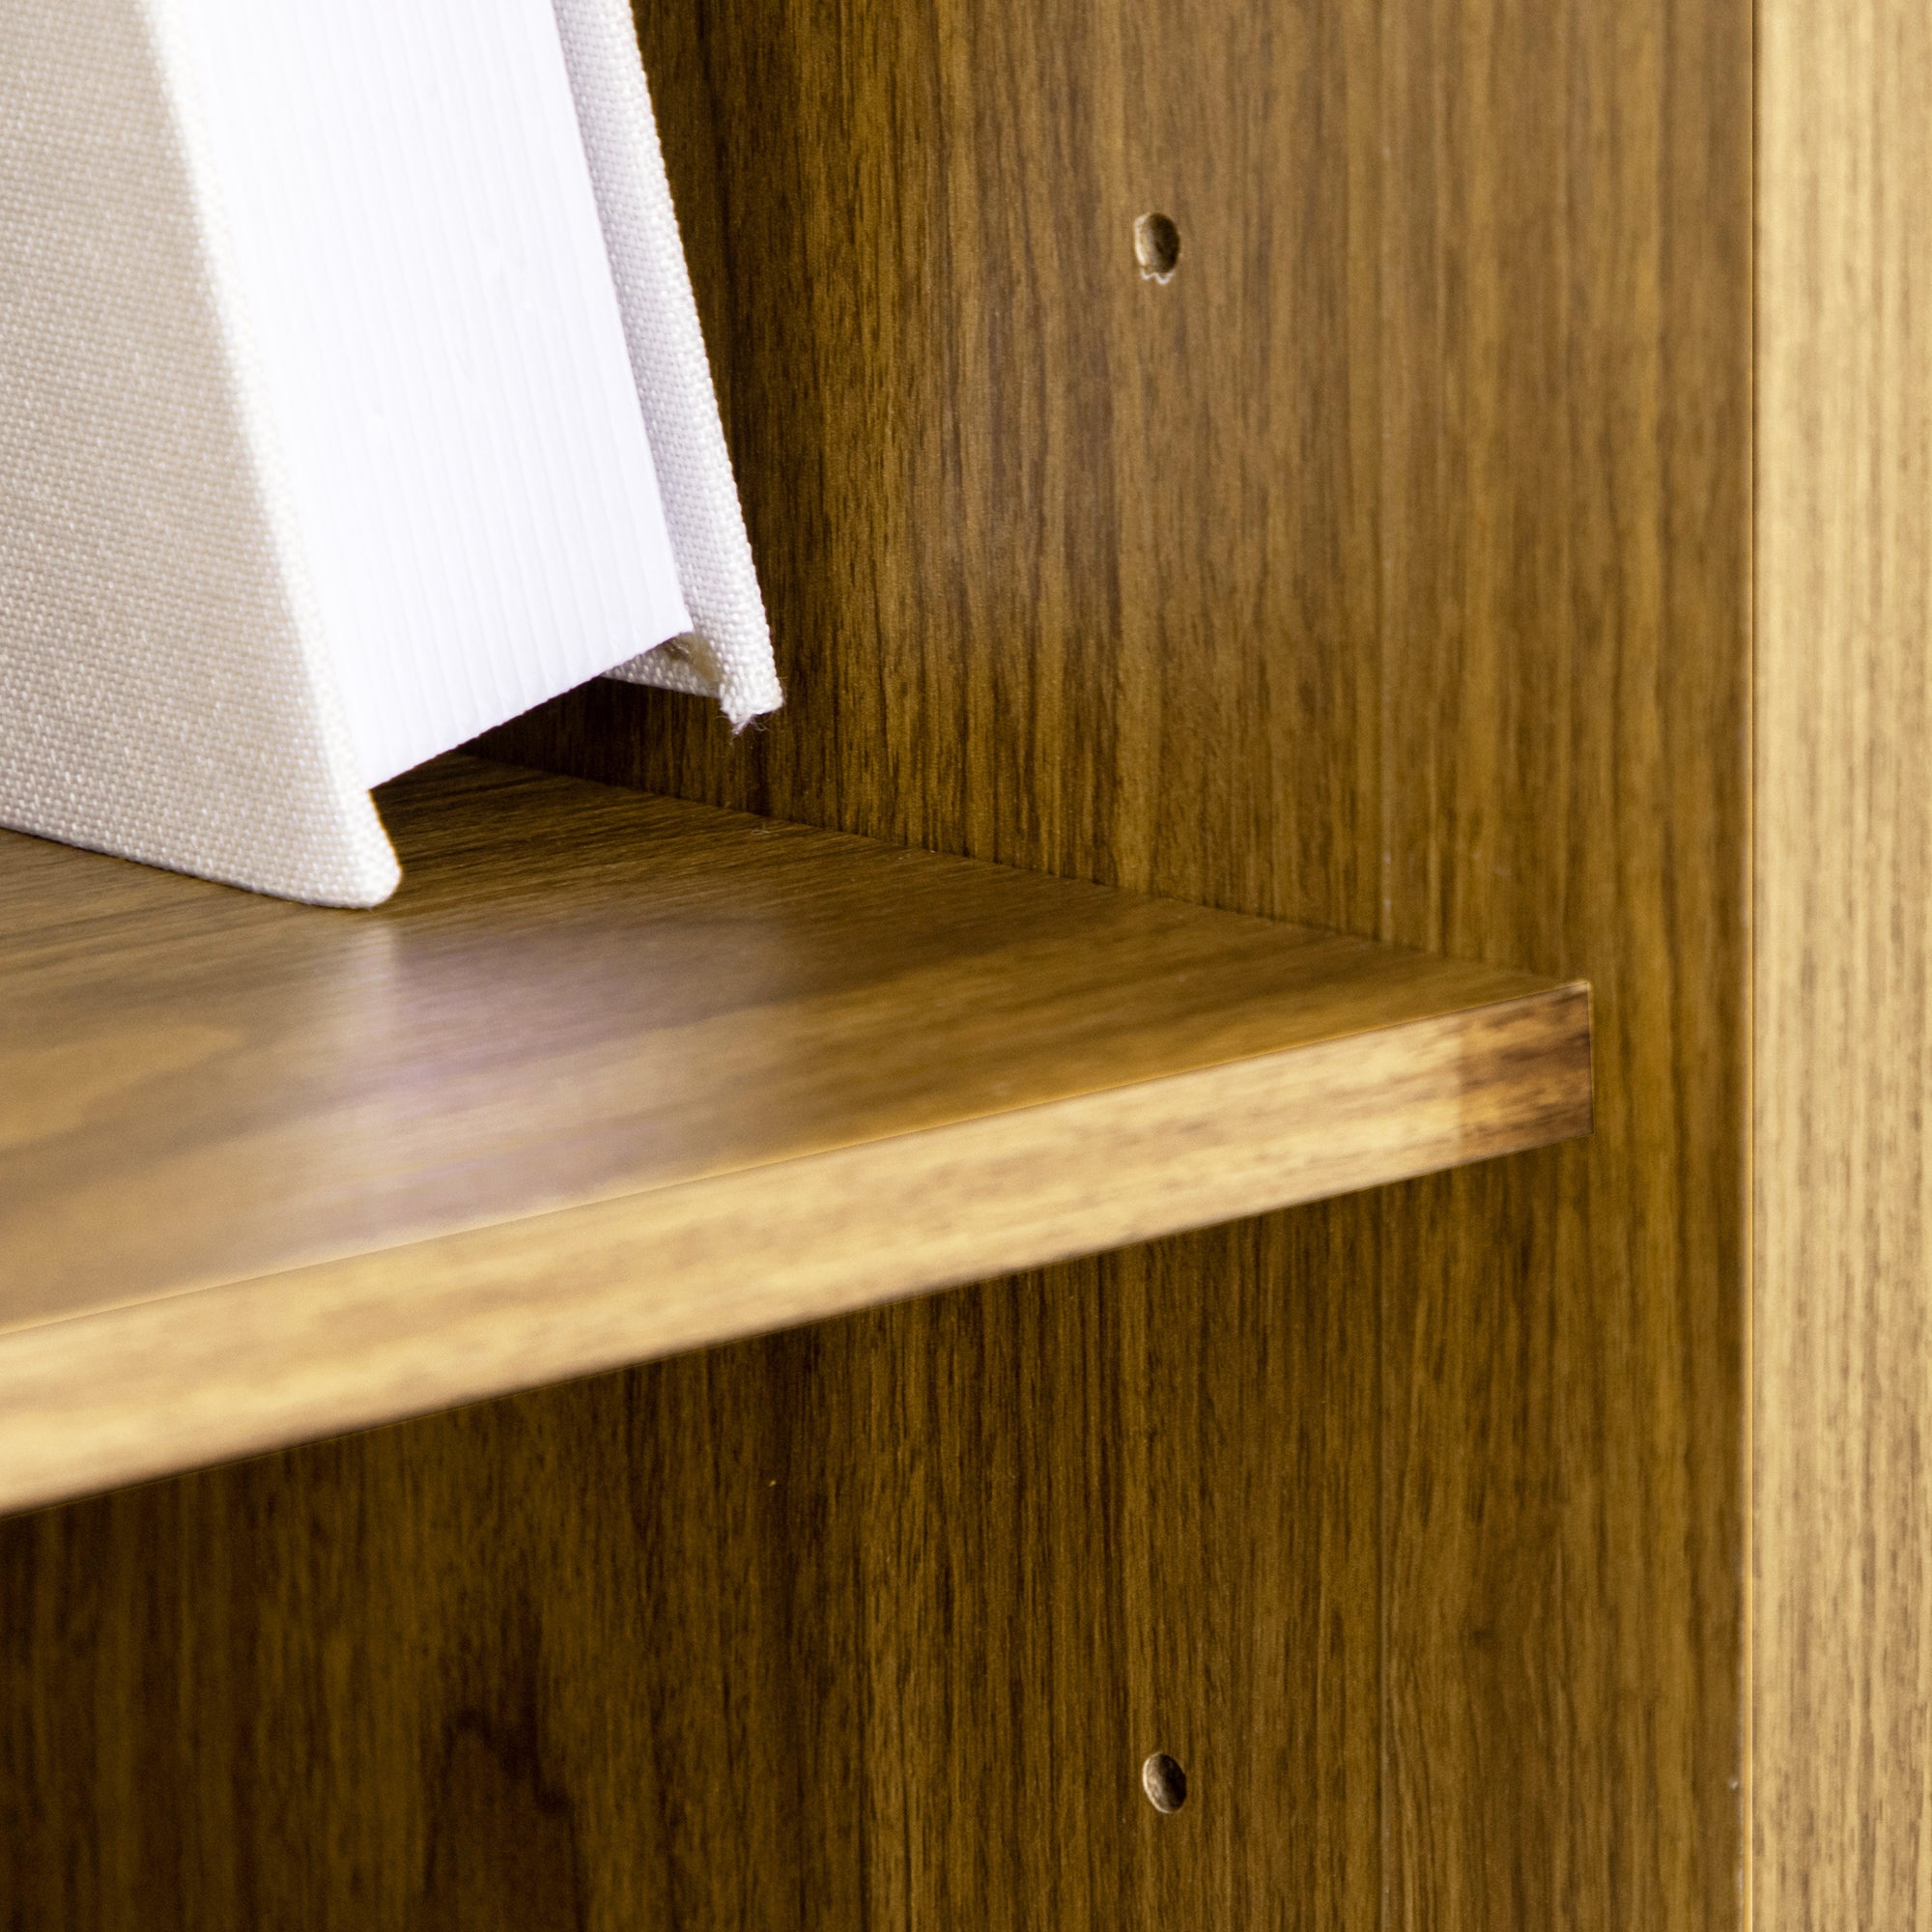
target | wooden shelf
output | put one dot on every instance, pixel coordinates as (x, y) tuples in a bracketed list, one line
[(614, 1076)]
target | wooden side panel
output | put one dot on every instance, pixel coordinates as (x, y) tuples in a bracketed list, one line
[(1566, 327), (868, 1625), (1842, 1538)]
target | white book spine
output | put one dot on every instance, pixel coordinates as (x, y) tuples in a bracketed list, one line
[(730, 656), (166, 693)]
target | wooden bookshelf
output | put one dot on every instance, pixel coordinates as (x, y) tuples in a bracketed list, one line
[(617, 1075)]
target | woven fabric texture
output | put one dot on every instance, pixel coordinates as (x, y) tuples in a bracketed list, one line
[(164, 694), (730, 656)]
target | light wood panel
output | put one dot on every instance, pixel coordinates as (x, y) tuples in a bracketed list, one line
[(617, 1077), (1842, 1536)]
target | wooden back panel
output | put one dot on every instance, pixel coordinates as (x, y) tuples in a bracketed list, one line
[(1387, 567), (1069, 569)]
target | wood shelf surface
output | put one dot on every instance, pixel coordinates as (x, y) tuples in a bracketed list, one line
[(617, 1075)]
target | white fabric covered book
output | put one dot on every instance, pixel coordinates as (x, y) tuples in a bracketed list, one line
[(352, 401)]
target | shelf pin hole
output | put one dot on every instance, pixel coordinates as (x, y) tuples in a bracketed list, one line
[(1157, 247), (1165, 1784)]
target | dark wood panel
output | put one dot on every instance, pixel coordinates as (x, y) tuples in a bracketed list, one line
[(1497, 654), (1567, 323), (870, 1624), (1066, 568)]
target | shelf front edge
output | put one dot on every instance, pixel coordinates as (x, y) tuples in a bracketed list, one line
[(100, 1400)]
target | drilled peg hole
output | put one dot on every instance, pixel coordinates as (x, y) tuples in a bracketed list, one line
[(1164, 1782), (1157, 247)]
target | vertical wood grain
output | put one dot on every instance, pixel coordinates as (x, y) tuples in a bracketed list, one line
[(1549, 732), (868, 1625), (1843, 1537), (1068, 569), (1567, 337)]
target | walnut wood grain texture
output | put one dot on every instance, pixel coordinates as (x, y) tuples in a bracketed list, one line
[(1390, 567), (1567, 322), (1842, 1363), (888, 1646), (616, 1077), (1387, 569)]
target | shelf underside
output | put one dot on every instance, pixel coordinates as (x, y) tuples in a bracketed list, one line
[(614, 1076)]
